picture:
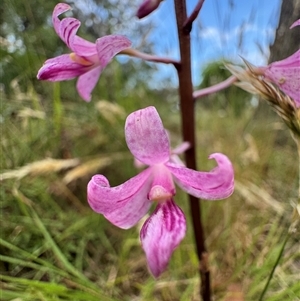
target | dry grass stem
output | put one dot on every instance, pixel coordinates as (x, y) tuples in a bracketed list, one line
[(110, 111), (88, 168), (42, 167), (255, 195)]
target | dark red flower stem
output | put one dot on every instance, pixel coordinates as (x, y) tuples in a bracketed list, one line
[(187, 25), (188, 131)]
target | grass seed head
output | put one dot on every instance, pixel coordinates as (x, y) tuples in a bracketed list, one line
[(254, 83)]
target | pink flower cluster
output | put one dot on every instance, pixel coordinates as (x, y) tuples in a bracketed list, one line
[(148, 141)]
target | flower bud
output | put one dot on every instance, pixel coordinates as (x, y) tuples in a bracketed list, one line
[(147, 7)]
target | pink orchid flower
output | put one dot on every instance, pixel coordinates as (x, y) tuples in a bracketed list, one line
[(126, 204), (147, 7), (285, 73), (87, 59)]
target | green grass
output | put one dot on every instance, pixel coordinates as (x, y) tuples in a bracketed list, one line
[(53, 247)]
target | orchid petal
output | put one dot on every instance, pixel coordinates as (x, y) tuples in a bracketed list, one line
[(174, 158), (68, 29), (83, 47), (180, 149), (161, 234), (146, 137), (87, 82), (293, 61), (109, 46), (213, 185), (60, 68), (296, 23), (59, 9), (286, 74), (123, 205)]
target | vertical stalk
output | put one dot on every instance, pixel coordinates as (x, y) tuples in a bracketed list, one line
[(188, 131), (298, 149), (57, 108), (274, 267), (296, 213)]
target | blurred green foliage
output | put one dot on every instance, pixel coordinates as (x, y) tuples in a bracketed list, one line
[(232, 98)]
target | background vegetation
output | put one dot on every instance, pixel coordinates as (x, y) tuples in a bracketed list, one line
[(53, 247)]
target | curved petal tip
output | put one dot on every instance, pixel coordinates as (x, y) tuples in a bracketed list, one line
[(297, 23), (213, 185), (122, 205)]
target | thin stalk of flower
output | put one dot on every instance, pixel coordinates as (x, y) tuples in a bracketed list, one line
[(188, 132), (189, 21), (149, 57), (296, 213), (298, 148), (215, 88), (58, 109), (274, 267)]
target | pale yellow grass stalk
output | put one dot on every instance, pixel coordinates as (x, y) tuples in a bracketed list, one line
[(87, 169), (41, 167)]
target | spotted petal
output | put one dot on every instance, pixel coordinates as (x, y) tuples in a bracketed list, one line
[(286, 74), (161, 234), (146, 137), (123, 205), (213, 185)]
